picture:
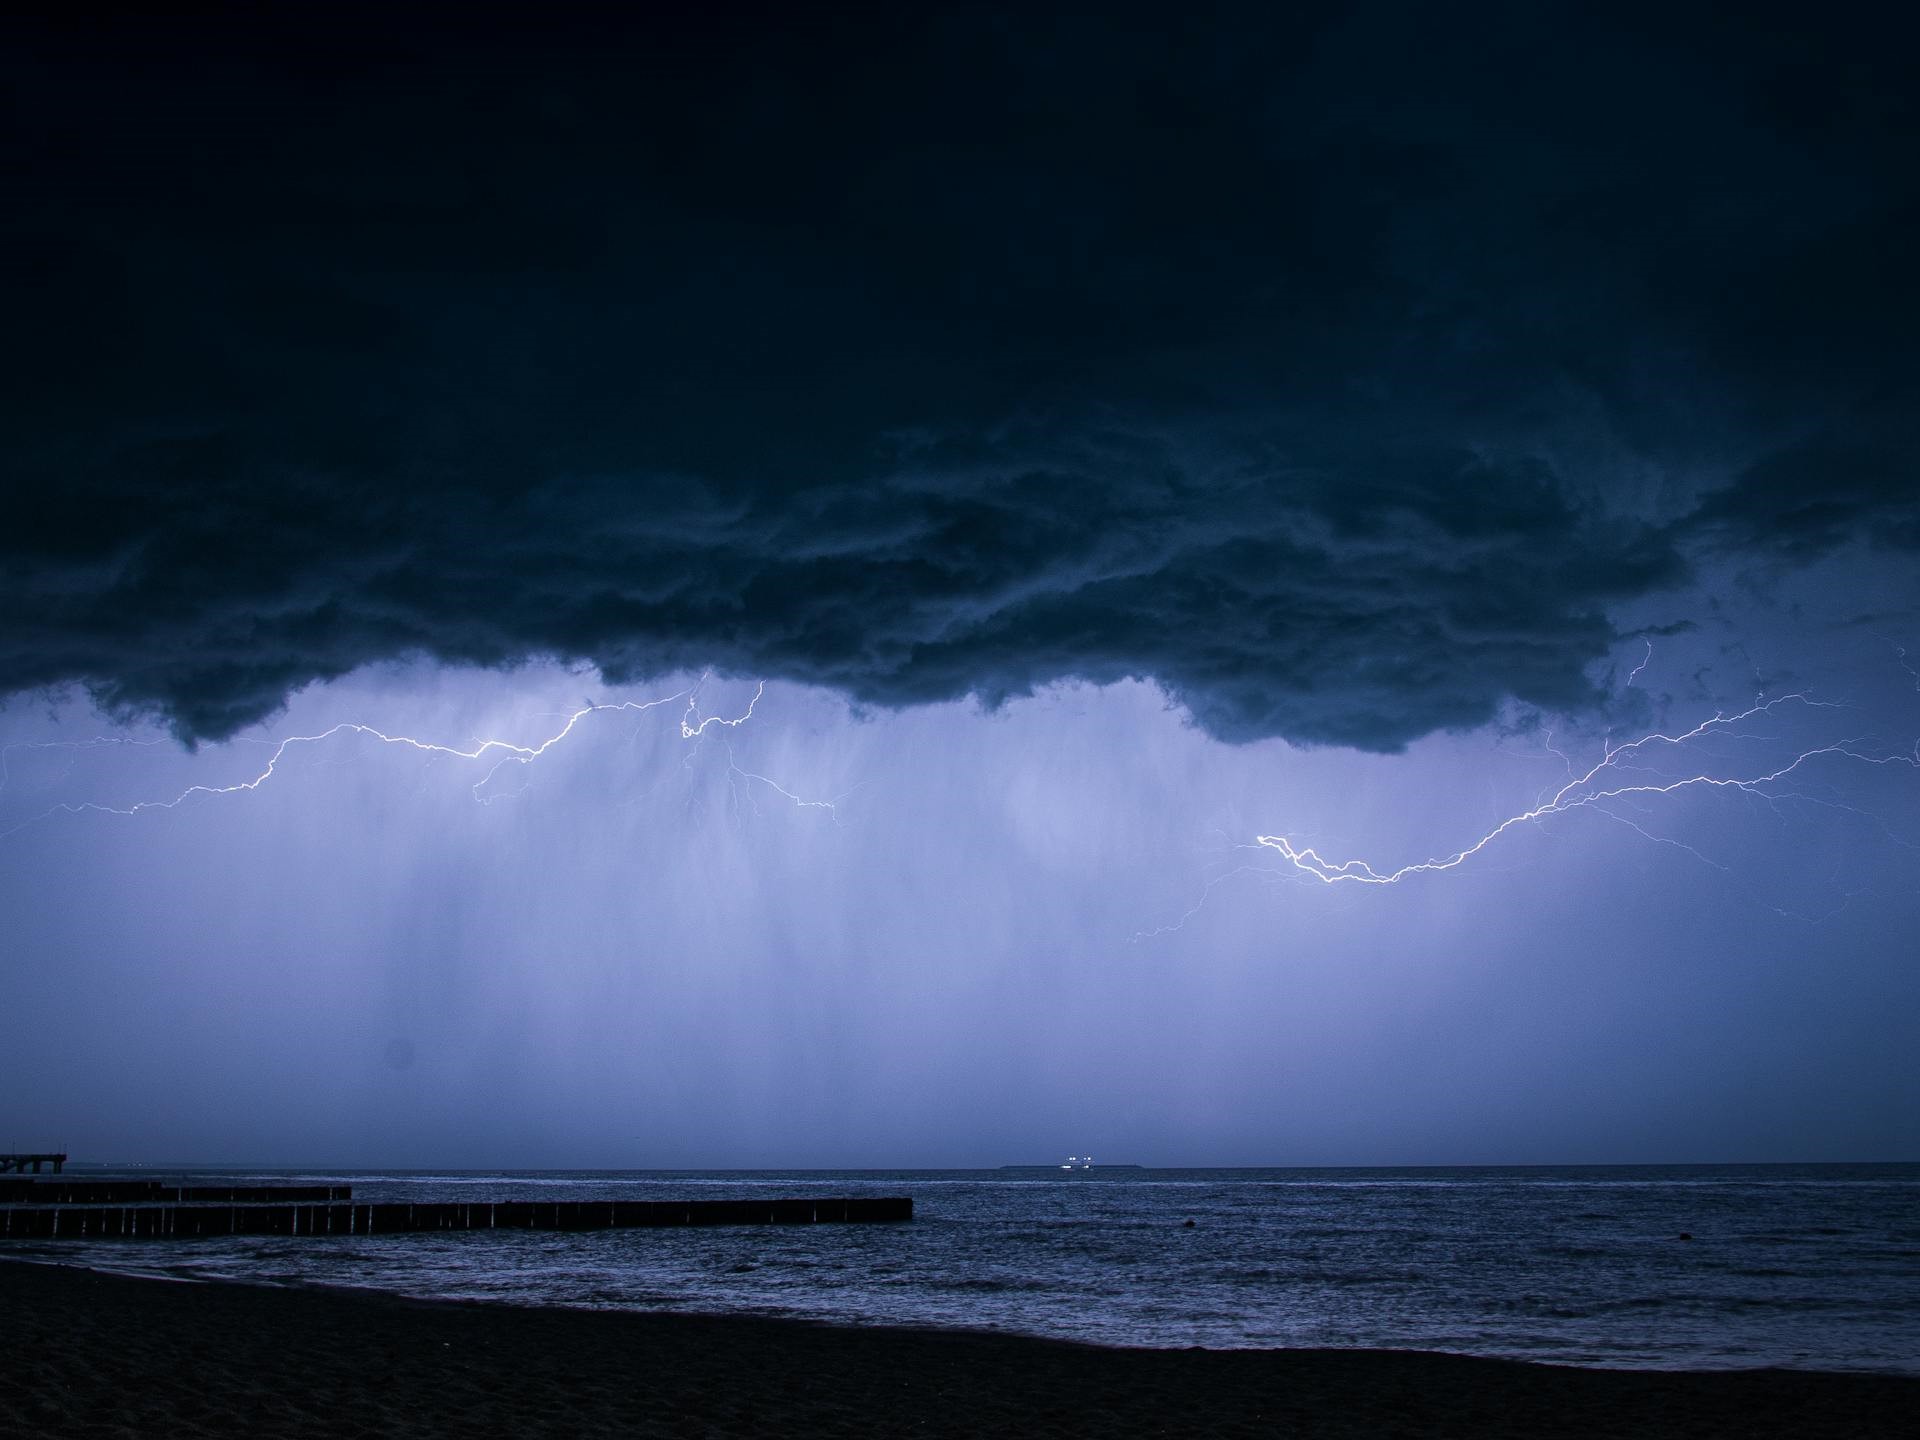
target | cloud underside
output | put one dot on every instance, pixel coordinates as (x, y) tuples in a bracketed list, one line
[(1341, 380)]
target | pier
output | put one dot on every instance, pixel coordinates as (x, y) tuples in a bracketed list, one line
[(20, 1164), (167, 1212)]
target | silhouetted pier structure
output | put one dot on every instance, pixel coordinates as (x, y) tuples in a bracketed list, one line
[(196, 1211), (152, 1192), (19, 1164)]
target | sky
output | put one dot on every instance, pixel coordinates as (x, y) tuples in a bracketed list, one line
[(1224, 586)]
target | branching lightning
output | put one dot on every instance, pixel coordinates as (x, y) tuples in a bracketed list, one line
[(1610, 779), (693, 730), (830, 806), (495, 753), (1718, 755)]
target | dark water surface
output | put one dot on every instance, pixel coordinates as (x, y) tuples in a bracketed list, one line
[(1813, 1266)]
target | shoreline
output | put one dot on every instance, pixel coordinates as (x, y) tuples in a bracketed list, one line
[(100, 1352), (903, 1327)]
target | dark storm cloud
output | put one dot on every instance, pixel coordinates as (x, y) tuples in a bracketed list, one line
[(1816, 495), (1338, 374)]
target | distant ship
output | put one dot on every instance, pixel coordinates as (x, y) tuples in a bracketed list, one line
[(1075, 1165)]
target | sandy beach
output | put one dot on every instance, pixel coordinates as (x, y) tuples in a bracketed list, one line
[(106, 1355)]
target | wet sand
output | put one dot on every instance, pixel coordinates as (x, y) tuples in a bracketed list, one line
[(103, 1355)]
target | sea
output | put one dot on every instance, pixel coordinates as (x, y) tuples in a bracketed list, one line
[(1657, 1267)]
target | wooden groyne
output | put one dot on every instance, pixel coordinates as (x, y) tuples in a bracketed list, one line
[(137, 1192), (186, 1221)]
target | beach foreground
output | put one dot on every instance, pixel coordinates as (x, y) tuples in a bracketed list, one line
[(104, 1355)]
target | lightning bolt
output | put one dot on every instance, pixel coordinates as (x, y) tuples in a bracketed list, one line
[(1644, 661), (689, 730), (1612, 778), (830, 806), (496, 754), (98, 742), (1900, 654)]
